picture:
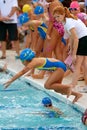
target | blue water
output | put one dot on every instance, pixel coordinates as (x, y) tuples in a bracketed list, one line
[(20, 106)]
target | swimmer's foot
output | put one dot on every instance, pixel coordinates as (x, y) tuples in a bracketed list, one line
[(79, 95), (69, 91)]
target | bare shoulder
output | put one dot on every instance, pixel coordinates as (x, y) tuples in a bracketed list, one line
[(37, 61)]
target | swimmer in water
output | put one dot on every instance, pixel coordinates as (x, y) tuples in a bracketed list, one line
[(54, 112)]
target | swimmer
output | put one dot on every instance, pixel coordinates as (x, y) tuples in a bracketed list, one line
[(48, 104), (54, 81)]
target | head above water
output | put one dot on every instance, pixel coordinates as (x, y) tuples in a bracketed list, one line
[(47, 102), (27, 55)]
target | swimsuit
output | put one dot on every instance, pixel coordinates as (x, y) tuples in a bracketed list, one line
[(57, 25), (42, 29), (63, 41), (51, 65), (31, 28), (53, 114)]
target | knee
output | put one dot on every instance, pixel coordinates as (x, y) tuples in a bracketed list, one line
[(46, 85)]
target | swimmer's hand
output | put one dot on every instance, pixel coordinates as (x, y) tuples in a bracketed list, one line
[(6, 85), (48, 37), (37, 76)]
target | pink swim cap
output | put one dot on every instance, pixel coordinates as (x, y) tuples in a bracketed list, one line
[(75, 4)]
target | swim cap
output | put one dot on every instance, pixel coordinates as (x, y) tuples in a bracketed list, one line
[(23, 18), (75, 4), (38, 10), (84, 117), (27, 54), (46, 101), (26, 8), (61, 0), (34, 1)]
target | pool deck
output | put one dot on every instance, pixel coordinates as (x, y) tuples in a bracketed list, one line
[(15, 65)]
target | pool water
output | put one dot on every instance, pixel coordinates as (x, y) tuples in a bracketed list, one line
[(20, 108)]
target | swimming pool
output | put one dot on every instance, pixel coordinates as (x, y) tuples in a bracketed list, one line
[(21, 103)]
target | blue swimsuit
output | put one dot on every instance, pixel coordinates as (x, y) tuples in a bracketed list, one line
[(42, 29), (51, 65)]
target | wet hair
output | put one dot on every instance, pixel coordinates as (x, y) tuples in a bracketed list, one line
[(63, 10)]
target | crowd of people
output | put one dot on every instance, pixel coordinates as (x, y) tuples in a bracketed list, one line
[(55, 41)]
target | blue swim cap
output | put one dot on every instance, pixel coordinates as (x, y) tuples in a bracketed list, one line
[(46, 101), (61, 0), (38, 10), (27, 54), (23, 18), (34, 1)]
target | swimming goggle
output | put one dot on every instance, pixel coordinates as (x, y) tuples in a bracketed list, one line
[(48, 105), (73, 9)]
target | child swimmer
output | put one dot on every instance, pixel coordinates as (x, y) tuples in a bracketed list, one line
[(54, 81), (54, 112)]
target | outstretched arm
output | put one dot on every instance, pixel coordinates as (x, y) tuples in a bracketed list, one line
[(33, 23), (19, 74)]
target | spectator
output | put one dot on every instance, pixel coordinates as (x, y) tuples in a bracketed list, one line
[(8, 9), (77, 31)]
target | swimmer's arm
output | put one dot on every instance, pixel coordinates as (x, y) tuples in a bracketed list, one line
[(57, 110), (26, 69), (49, 30), (30, 66), (40, 75), (33, 23), (46, 18)]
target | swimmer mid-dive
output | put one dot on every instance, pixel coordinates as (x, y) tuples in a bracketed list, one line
[(54, 81)]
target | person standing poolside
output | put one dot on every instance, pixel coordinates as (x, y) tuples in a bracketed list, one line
[(54, 81), (77, 31), (75, 10), (8, 27)]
